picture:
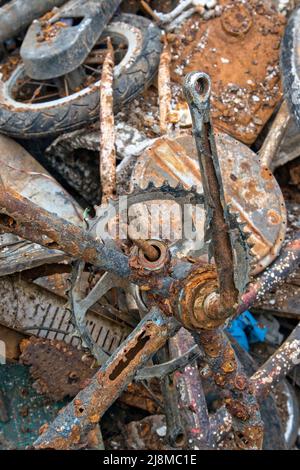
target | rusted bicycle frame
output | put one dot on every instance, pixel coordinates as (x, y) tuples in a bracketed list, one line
[(196, 296)]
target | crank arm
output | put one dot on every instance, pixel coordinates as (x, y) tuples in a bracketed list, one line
[(197, 89)]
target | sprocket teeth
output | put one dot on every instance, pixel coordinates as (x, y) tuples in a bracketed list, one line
[(179, 186), (151, 186), (165, 186), (136, 187)]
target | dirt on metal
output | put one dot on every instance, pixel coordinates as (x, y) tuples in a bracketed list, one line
[(240, 51)]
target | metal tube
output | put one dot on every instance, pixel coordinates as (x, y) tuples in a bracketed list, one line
[(229, 376), (191, 398), (278, 365), (107, 127), (22, 217), (286, 263), (274, 138)]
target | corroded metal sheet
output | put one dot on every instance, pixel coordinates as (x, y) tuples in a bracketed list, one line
[(239, 49), (20, 171), (58, 369), (250, 189)]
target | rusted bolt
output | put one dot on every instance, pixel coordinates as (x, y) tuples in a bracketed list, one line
[(240, 382), (211, 303), (150, 251), (273, 217), (236, 20), (228, 366), (220, 380), (195, 289), (159, 255), (73, 377)]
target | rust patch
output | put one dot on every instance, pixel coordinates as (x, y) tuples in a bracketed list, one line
[(49, 30), (194, 290), (238, 409)]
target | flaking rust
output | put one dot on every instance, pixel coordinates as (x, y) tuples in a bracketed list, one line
[(164, 87), (59, 370)]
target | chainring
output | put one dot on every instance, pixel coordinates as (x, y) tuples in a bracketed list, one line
[(114, 209)]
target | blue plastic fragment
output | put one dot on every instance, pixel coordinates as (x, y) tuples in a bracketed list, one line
[(246, 330)]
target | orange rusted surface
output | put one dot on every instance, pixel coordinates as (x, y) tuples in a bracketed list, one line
[(240, 51), (58, 369), (49, 30), (195, 288), (9, 65)]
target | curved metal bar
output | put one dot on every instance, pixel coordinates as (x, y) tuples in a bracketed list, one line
[(161, 370)]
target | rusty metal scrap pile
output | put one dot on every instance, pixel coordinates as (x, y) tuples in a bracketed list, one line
[(150, 168)]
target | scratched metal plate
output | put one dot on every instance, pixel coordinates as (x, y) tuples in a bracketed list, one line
[(250, 189)]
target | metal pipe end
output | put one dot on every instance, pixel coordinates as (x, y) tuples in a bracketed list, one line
[(197, 88)]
